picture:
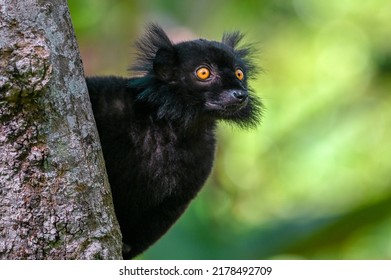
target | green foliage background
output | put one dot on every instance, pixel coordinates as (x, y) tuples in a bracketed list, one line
[(314, 180)]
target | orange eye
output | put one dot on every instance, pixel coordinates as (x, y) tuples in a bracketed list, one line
[(203, 73), (239, 74)]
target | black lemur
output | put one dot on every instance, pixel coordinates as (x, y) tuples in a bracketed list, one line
[(157, 129)]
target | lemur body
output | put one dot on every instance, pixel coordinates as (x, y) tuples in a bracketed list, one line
[(158, 130)]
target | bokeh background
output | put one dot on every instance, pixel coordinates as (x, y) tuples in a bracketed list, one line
[(314, 180)]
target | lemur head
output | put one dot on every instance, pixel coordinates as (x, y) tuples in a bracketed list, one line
[(197, 79)]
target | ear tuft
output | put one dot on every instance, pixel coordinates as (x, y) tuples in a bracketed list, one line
[(147, 47), (232, 39)]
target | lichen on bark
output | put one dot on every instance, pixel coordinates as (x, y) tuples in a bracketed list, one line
[(25, 67)]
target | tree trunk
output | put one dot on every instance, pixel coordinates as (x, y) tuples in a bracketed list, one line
[(55, 200)]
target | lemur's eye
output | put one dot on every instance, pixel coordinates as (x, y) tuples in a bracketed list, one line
[(239, 74), (203, 73)]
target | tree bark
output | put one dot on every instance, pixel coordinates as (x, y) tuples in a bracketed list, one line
[(55, 200)]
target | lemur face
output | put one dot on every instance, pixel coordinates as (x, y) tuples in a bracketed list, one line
[(214, 76), (207, 78)]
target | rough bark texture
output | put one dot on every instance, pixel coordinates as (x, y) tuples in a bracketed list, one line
[(55, 201)]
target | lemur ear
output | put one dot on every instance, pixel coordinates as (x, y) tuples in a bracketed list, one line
[(164, 64)]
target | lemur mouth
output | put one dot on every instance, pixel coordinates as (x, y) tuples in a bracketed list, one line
[(226, 107)]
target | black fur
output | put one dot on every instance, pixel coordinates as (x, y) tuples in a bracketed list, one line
[(158, 129)]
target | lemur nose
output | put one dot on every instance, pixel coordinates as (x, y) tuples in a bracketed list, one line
[(240, 95)]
